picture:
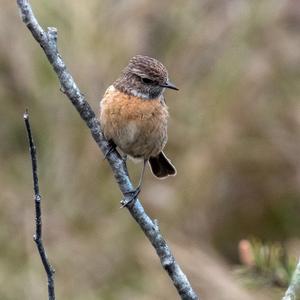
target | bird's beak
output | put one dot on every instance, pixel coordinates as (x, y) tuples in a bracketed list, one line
[(169, 85)]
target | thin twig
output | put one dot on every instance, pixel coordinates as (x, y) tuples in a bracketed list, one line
[(38, 212), (293, 290), (48, 42)]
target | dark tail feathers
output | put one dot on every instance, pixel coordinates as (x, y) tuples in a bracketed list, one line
[(161, 166)]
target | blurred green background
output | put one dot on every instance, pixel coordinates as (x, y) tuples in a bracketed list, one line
[(234, 136)]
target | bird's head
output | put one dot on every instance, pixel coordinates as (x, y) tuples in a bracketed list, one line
[(144, 77)]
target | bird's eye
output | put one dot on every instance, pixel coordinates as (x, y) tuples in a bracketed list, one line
[(147, 80)]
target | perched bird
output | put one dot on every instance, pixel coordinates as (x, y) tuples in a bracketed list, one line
[(133, 115)]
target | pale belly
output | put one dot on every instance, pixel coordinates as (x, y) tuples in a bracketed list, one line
[(141, 139)]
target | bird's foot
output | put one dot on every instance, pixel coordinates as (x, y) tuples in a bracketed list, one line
[(110, 149), (130, 197), (124, 158)]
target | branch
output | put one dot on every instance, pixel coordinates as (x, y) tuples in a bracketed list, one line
[(38, 213), (48, 41), (294, 288)]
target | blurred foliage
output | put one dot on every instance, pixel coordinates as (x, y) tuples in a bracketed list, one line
[(234, 137), (268, 263)]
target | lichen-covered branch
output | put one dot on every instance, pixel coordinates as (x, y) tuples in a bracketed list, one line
[(48, 41), (293, 291), (38, 212)]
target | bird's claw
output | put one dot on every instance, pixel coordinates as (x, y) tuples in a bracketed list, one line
[(130, 198), (109, 150)]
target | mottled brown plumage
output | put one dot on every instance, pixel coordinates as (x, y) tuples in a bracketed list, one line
[(134, 79), (133, 113)]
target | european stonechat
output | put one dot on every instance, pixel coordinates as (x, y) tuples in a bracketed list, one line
[(134, 115)]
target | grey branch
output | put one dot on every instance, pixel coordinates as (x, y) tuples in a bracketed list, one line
[(48, 41), (293, 290), (38, 212)]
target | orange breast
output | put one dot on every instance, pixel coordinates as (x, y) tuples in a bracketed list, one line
[(137, 126)]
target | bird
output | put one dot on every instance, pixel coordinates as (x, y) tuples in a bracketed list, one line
[(134, 116)]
